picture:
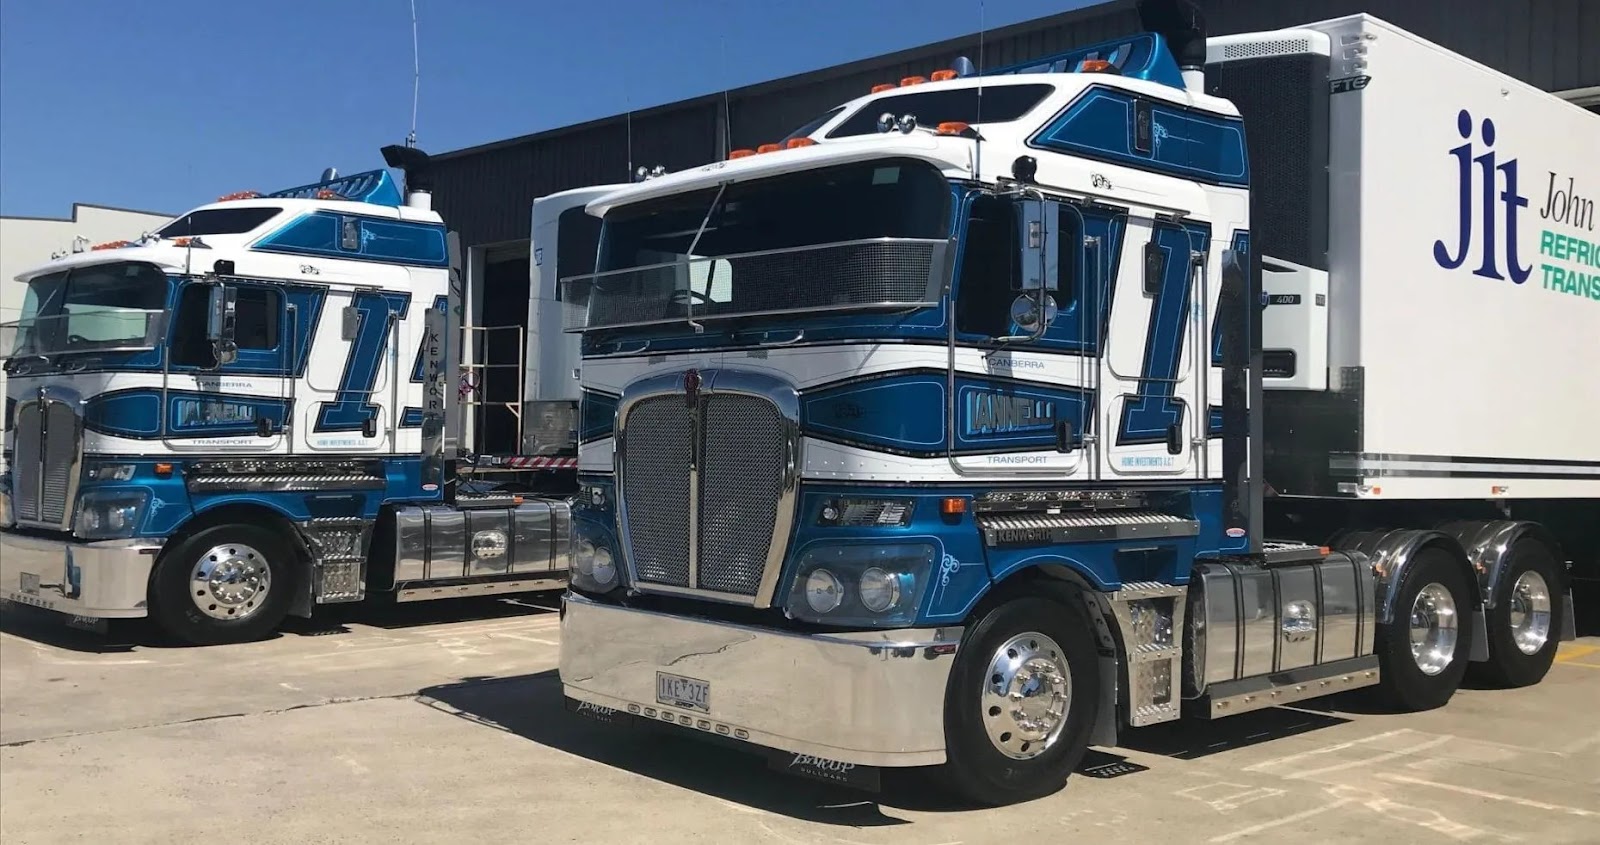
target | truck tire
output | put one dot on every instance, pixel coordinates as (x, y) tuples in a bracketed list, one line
[(1001, 749), (1525, 624), (225, 584), (1423, 650)]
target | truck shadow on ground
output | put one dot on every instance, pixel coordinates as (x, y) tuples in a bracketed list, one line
[(530, 706), (1191, 738), (124, 635)]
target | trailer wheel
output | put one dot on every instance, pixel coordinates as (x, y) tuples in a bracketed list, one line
[(1423, 650), (225, 584), (1525, 624), (1022, 699)]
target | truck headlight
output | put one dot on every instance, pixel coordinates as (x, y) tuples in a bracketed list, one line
[(109, 514), (594, 567), (869, 584), (110, 472)]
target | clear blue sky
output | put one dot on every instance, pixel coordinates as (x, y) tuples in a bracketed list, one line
[(166, 104)]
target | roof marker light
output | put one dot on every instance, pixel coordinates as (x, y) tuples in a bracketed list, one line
[(1094, 66), (740, 154), (768, 148), (111, 245), (912, 80), (797, 143), (952, 127), (942, 75), (886, 86)]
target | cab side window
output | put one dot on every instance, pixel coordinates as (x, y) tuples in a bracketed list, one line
[(989, 277), (257, 324)]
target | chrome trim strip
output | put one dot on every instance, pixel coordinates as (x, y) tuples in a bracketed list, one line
[(757, 254), (1231, 698), (482, 588)]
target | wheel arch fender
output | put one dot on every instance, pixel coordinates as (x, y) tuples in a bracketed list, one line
[(256, 513), (1391, 553), (1488, 546)]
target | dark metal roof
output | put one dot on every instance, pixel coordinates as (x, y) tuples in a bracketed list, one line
[(486, 192)]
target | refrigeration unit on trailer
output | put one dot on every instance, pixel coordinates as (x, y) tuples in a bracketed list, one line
[(252, 412), (966, 430)]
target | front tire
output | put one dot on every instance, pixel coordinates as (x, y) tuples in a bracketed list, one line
[(1021, 702), (225, 584), (1525, 624), (1423, 650)]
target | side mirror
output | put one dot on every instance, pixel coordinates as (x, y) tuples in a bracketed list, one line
[(221, 311), (1034, 309)]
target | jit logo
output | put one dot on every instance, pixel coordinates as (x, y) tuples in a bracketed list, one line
[(1490, 264)]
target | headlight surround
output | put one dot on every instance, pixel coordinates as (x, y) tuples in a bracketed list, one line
[(878, 584), (110, 514), (594, 566)]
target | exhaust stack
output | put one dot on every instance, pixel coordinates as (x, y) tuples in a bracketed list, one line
[(417, 166), (1183, 26)]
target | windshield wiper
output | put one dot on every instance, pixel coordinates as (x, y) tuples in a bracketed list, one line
[(689, 300)]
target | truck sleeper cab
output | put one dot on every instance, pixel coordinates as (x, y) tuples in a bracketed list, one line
[(928, 446)]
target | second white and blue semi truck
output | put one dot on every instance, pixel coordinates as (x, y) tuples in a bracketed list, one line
[(991, 414)]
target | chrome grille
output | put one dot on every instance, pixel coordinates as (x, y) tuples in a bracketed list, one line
[(656, 454), (60, 461), (45, 462), (744, 451), (29, 441), (706, 481)]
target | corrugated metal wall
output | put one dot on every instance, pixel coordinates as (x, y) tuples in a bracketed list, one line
[(486, 192)]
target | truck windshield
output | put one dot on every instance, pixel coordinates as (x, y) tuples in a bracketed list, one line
[(219, 221), (101, 308), (861, 235)]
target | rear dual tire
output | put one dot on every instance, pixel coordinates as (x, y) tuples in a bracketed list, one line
[(1525, 623)]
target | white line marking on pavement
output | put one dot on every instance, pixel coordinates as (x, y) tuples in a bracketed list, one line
[(1289, 819), (1480, 793), (1327, 749)]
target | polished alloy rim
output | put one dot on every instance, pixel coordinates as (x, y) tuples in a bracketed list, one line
[(1530, 613), (1434, 629), (1026, 695), (230, 581)]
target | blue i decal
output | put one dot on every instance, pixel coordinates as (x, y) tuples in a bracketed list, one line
[(350, 408), (1147, 417)]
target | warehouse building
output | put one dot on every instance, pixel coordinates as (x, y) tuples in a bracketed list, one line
[(485, 192)]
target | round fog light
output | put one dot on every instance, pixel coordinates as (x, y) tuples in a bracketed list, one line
[(880, 590), (823, 591), (605, 569)]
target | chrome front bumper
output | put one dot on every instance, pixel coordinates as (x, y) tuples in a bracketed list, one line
[(104, 580), (871, 698)]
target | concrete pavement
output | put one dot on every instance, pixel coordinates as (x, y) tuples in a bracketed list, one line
[(442, 723)]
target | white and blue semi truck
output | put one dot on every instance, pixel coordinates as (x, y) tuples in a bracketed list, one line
[(993, 413), (257, 410)]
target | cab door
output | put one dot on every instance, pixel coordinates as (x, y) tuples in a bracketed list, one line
[(351, 402), (234, 402), (1155, 413)]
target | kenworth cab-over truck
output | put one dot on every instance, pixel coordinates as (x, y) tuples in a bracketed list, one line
[(256, 410), (992, 414)]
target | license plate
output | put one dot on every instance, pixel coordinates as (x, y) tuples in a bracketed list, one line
[(30, 583), (679, 691)]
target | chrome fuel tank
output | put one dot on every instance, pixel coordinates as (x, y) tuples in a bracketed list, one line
[(1249, 619)]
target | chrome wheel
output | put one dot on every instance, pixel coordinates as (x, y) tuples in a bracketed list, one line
[(1530, 612), (1434, 629), (1027, 695), (230, 581)]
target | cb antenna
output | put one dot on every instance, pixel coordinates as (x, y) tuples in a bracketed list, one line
[(977, 144), (416, 76)]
